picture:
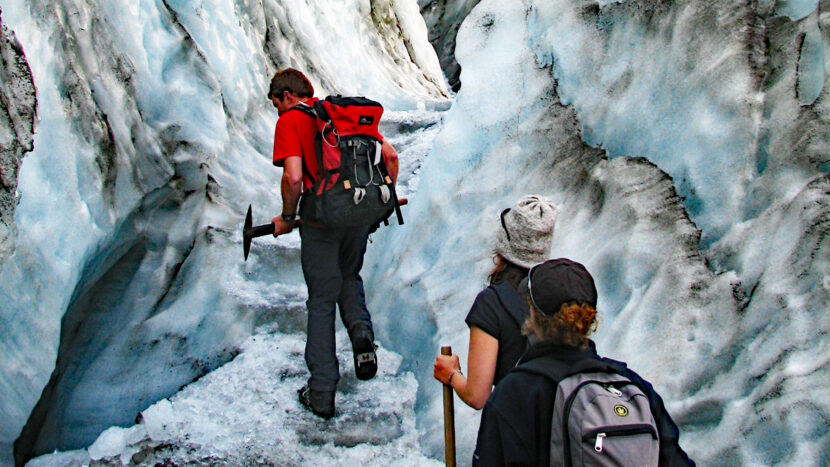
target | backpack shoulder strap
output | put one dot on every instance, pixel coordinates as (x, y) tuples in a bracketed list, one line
[(510, 301), (320, 110), (557, 370), (551, 368), (614, 366), (307, 110)]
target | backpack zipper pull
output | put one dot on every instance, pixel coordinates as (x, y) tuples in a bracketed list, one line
[(598, 445)]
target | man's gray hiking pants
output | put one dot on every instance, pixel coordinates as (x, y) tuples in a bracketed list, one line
[(331, 260)]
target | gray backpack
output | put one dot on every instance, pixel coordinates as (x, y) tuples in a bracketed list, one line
[(602, 419)]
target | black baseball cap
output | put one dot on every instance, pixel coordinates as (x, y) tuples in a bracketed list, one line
[(557, 282)]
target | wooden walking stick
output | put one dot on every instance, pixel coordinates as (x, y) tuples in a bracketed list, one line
[(449, 419)]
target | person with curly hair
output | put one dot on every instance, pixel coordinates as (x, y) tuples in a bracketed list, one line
[(516, 421)]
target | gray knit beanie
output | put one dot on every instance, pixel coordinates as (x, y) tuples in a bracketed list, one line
[(525, 231)]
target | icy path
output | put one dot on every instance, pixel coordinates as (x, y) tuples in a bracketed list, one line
[(246, 412)]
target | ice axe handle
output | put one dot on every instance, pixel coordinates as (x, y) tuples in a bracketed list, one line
[(260, 230), (449, 419), (249, 232)]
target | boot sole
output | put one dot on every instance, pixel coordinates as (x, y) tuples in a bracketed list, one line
[(365, 359)]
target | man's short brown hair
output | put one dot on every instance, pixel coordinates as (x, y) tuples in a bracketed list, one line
[(291, 80)]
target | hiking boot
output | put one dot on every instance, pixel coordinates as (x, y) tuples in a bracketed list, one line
[(365, 358), (321, 403)]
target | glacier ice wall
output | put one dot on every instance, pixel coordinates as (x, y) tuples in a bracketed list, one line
[(687, 145), (153, 136), (17, 127), (443, 18)]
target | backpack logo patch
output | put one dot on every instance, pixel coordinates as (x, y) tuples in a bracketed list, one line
[(366, 120), (621, 410)]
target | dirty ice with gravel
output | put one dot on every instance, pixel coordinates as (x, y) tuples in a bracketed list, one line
[(685, 143)]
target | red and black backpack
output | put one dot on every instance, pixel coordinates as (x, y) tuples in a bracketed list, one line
[(352, 186)]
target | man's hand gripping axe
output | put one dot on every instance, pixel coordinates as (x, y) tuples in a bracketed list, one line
[(250, 231)]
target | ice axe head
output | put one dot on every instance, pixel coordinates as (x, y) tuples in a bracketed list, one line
[(250, 231), (246, 233)]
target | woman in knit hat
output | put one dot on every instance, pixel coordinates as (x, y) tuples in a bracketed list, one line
[(523, 238)]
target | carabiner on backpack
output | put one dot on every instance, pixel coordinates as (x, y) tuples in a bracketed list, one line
[(359, 194), (385, 194)]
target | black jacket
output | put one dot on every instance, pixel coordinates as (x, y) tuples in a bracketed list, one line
[(516, 421)]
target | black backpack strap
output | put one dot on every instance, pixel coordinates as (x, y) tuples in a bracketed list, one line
[(322, 176), (510, 301), (307, 110), (395, 202), (615, 366), (321, 113), (557, 370), (394, 193), (552, 369)]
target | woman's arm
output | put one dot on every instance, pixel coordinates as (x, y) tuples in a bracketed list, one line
[(474, 389)]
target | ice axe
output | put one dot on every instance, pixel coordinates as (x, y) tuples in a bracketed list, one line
[(250, 231)]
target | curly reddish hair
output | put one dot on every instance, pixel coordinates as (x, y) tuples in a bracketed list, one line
[(570, 327)]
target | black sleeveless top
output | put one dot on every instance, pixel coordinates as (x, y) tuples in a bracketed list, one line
[(500, 311)]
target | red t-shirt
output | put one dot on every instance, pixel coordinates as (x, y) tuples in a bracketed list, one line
[(294, 137)]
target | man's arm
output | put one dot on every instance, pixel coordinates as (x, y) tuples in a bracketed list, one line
[(291, 187), (390, 160)]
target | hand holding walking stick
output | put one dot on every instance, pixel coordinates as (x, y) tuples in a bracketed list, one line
[(449, 419)]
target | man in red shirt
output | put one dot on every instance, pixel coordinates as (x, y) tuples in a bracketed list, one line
[(331, 257)]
